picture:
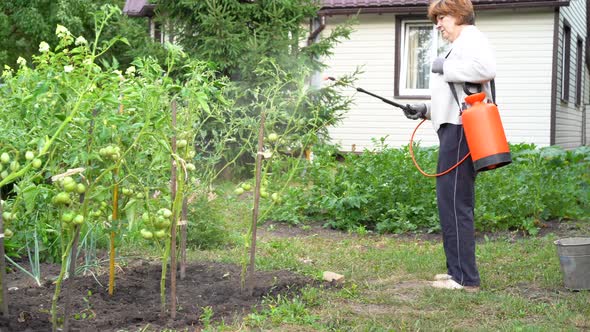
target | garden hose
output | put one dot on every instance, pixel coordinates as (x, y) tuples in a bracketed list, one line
[(418, 166)]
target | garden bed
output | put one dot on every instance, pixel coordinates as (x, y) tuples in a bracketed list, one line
[(136, 302)]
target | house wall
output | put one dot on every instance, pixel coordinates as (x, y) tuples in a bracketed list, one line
[(586, 130), (569, 124), (523, 41)]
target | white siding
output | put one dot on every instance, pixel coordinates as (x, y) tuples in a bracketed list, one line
[(372, 49), (523, 42), (524, 49), (569, 116), (587, 106)]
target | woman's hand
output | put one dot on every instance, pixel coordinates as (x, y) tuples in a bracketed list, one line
[(437, 65), (416, 111)]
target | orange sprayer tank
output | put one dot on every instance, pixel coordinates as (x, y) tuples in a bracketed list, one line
[(485, 134)]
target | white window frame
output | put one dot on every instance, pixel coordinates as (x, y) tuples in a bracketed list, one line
[(403, 91)]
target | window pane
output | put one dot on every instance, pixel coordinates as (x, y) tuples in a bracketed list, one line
[(418, 46)]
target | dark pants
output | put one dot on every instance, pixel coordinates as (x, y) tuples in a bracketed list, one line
[(455, 194)]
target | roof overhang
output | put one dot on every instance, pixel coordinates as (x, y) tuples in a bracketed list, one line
[(347, 7), (139, 8)]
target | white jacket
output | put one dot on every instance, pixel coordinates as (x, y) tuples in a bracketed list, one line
[(470, 60)]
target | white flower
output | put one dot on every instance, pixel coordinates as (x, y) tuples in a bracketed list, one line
[(81, 41), (43, 47), (68, 68), (21, 61), (130, 70), (62, 31)]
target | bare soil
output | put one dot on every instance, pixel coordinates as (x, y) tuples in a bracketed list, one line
[(136, 301), (559, 228)]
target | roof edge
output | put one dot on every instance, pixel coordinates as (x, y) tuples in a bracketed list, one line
[(423, 8), (146, 10)]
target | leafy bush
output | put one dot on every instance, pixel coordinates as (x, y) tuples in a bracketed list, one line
[(206, 227), (382, 190)]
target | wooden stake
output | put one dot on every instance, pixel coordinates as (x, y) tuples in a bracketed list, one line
[(3, 288), (183, 229), (173, 193), (251, 268), (112, 237)]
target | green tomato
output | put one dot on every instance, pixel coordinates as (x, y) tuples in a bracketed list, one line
[(160, 234), (126, 191), (190, 167), (145, 217), (109, 150), (163, 223), (8, 233), (6, 215), (146, 234), (29, 155), (246, 186), (14, 166), (80, 188), (68, 179), (5, 158), (139, 195), (239, 191), (78, 219), (181, 144), (263, 194), (165, 213), (275, 197), (272, 137), (67, 217), (70, 186), (4, 174), (62, 198), (37, 163)]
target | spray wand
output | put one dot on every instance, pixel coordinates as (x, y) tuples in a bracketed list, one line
[(405, 108)]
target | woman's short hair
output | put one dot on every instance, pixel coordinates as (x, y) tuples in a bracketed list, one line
[(460, 9)]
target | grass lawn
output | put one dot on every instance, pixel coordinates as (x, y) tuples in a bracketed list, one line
[(387, 282)]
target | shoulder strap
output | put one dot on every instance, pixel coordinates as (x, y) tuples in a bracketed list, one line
[(454, 91), (492, 87)]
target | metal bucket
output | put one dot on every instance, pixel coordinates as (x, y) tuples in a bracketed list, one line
[(574, 258)]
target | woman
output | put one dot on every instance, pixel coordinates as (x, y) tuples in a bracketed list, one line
[(470, 60)]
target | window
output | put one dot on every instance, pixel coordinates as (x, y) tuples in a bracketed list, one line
[(565, 69), (579, 66), (418, 43)]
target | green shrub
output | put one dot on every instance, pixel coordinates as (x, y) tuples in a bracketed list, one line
[(206, 227), (382, 190)]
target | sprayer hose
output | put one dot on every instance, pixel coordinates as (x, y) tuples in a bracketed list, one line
[(416, 163)]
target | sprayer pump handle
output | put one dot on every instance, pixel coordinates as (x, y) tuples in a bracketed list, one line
[(475, 98)]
